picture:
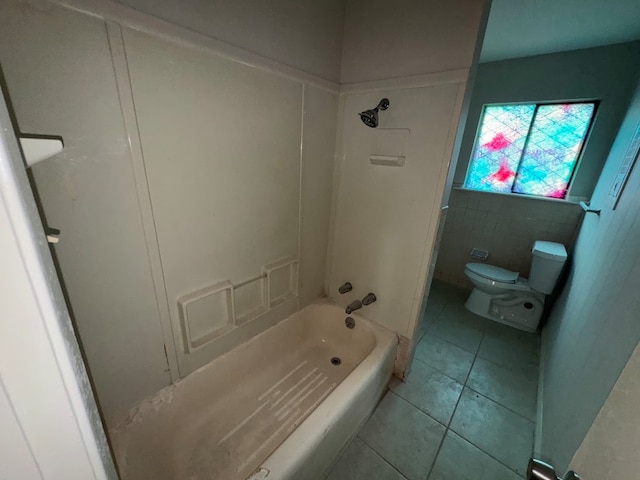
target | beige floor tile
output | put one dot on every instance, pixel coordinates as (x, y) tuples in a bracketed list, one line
[(445, 357), (359, 462), (460, 460), (515, 387), (509, 350), (404, 436), (501, 433), (430, 390), (459, 333)]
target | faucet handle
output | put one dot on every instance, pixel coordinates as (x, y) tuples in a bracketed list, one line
[(369, 298), (344, 288)]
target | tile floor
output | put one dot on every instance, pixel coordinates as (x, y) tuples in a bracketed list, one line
[(466, 410)]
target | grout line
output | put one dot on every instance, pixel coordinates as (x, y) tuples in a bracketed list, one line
[(455, 408), (486, 453), (435, 458), (456, 345), (450, 342), (473, 364), (500, 404), (517, 364), (434, 368), (379, 455), (447, 428), (438, 370), (491, 400), (417, 407), (428, 332)]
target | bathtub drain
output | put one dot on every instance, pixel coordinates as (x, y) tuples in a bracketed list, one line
[(336, 361)]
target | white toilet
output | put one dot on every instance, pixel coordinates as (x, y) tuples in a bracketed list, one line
[(506, 297)]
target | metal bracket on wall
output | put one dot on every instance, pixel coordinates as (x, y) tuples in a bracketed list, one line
[(37, 149), (53, 235), (588, 209)]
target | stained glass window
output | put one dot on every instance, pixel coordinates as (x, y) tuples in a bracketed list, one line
[(529, 149)]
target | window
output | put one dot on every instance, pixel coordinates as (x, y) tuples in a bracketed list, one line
[(529, 149)]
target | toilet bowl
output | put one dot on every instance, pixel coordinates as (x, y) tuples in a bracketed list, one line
[(505, 297)]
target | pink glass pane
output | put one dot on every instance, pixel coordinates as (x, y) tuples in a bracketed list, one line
[(499, 147), (553, 148)]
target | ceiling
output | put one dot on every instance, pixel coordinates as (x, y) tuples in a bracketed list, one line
[(521, 28)]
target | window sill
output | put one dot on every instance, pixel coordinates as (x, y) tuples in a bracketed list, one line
[(571, 200)]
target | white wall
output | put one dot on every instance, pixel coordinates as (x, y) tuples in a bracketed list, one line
[(182, 168), (222, 144), (384, 40), (594, 326), (387, 217), (418, 54), (305, 34), (610, 449), (61, 81)]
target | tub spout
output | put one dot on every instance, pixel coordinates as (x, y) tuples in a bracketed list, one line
[(353, 306)]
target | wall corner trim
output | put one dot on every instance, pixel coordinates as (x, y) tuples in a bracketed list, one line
[(128, 17), (413, 81), (537, 434)]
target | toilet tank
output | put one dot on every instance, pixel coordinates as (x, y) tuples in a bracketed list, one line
[(547, 263)]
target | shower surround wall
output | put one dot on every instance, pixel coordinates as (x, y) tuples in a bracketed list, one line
[(191, 162), (182, 168), (386, 218)]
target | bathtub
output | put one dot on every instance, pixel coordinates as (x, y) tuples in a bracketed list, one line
[(281, 406)]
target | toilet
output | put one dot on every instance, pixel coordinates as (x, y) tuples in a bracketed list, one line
[(506, 297)]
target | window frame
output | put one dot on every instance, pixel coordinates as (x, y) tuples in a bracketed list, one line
[(596, 106)]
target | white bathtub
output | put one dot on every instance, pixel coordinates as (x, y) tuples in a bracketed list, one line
[(274, 408)]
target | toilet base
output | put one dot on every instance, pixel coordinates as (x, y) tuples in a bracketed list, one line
[(521, 310)]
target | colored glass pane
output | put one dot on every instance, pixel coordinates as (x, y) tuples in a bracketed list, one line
[(499, 147), (552, 149), (529, 149)]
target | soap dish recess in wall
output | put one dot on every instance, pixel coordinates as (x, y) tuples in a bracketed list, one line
[(479, 254), (387, 160)]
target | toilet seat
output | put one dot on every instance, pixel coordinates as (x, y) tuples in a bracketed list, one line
[(493, 273)]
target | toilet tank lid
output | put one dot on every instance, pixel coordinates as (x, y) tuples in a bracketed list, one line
[(492, 272), (549, 250)]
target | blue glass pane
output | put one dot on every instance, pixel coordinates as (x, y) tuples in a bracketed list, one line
[(552, 149), (498, 149)]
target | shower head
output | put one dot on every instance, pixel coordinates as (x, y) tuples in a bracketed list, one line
[(370, 117)]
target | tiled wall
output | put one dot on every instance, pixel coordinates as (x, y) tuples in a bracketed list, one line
[(505, 225)]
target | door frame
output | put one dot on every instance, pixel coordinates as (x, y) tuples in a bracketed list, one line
[(51, 424)]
